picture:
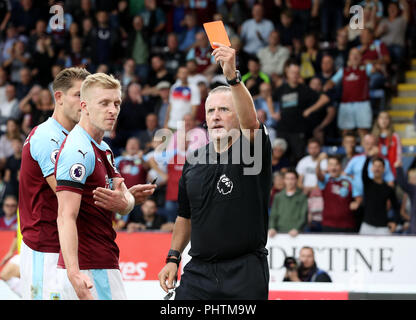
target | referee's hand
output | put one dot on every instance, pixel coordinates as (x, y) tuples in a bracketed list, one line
[(226, 57), (168, 274)]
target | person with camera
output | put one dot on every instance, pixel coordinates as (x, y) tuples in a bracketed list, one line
[(307, 271)]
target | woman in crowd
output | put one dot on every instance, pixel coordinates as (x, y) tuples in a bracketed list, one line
[(12, 132), (279, 161), (388, 140)]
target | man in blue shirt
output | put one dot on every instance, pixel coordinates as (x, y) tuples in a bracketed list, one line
[(355, 166)]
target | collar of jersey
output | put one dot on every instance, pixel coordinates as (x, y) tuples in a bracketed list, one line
[(101, 146), (56, 123)]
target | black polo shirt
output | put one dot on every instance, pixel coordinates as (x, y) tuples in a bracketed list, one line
[(228, 208), (293, 102)]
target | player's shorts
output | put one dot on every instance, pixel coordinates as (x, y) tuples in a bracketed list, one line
[(38, 274), (355, 115), (107, 284)]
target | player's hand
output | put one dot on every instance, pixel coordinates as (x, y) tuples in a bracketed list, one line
[(226, 57), (112, 200), (82, 285), (168, 273), (141, 192)]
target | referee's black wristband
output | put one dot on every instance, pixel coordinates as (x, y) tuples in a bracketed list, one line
[(177, 261)]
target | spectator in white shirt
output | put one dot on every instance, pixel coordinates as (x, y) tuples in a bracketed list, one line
[(184, 98), (256, 31), (306, 168), (9, 107), (274, 56)]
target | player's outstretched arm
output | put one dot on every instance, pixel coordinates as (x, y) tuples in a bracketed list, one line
[(120, 198), (68, 208), (180, 239), (141, 192)]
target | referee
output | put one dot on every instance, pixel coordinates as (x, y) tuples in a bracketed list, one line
[(222, 205)]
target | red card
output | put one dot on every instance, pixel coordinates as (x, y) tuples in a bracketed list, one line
[(216, 33)]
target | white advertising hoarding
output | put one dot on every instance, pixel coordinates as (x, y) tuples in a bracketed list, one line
[(350, 259)]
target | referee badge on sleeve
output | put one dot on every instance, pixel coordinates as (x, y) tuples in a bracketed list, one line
[(77, 172)]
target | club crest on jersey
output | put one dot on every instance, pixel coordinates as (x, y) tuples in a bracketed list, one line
[(108, 182), (224, 185), (77, 172), (54, 154), (55, 296)]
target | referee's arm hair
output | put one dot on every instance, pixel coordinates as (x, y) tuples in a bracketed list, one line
[(180, 239), (243, 102)]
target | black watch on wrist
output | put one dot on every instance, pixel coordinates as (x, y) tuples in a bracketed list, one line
[(173, 253), (236, 80)]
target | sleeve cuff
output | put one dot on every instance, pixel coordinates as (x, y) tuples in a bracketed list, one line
[(69, 186)]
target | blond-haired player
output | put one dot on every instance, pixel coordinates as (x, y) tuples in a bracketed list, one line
[(89, 255)]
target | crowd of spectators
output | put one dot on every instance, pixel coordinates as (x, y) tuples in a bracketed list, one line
[(315, 81)]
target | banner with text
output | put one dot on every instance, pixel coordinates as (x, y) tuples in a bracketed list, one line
[(350, 259)]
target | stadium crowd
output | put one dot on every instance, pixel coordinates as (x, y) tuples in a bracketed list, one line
[(315, 81)]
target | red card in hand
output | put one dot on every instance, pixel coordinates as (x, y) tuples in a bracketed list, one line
[(216, 33)]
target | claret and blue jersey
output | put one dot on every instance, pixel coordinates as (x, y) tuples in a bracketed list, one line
[(38, 205), (82, 166)]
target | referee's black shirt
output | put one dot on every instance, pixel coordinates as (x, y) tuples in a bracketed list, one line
[(228, 209)]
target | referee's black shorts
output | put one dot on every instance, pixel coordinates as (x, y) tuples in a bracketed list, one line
[(242, 278)]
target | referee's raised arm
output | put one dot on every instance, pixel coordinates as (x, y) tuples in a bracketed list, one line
[(242, 100)]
